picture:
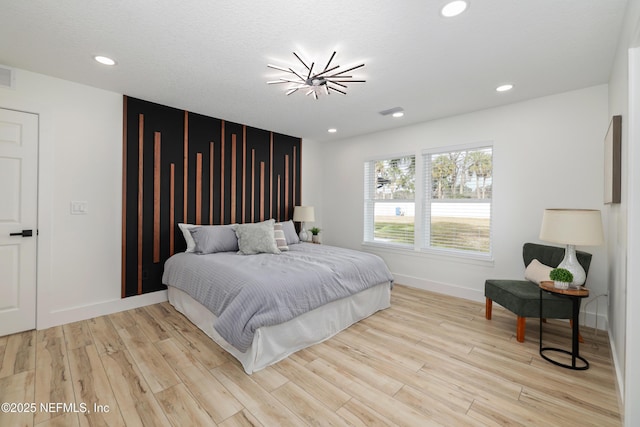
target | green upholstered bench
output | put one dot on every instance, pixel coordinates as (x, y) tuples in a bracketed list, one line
[(522, 297)]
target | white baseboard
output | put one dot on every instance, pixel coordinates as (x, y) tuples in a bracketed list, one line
[(438, 287), (618, 370), (75, 314), (589, 318)]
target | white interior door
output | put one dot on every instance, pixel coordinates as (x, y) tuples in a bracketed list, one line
[(18, 216)]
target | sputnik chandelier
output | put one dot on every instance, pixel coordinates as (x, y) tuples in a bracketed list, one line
[(314, 83)]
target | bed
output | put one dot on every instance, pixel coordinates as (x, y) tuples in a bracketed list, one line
[(261, 306)]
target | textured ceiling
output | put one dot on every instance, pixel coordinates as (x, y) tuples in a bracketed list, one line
[(210, 56)]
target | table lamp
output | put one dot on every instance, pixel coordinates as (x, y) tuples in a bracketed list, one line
[(303, 214), (572, 227)]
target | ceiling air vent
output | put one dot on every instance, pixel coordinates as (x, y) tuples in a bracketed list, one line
[(6, 77)]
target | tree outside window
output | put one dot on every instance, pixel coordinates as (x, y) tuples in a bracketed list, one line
[(455, 201), (390, 205), (458, 205)]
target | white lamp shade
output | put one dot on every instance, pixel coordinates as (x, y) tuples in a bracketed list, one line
[(303, 214), (582, 227)]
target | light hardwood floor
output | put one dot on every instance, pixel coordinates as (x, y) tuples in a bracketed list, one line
[(428, 360)]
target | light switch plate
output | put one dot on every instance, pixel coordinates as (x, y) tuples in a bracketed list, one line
[(79, 208)]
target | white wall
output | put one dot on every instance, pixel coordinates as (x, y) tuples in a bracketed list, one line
[(632, 343), (624, 228), (80, 159), (311, 180), (79, 256), (547, 153)]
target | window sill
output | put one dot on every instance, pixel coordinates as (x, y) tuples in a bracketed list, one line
[(449, 256)]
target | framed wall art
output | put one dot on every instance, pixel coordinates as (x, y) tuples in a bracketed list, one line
[(612, 161)]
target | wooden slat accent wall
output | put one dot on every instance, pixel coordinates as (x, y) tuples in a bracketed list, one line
[(185, 167), (211, 152), (156, 197), (185, 158), (140, 198), (222, 172), (125, 148), (198, 188), (234, 179), (172, 209)]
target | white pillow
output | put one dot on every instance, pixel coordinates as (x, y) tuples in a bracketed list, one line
[(278, 234), (256, 238), (537, 272), (191, 244)]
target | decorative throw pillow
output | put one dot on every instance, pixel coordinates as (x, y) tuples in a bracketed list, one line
[(256, 238), (210, 239), (290, 232), (191, 244), (281, 240), (537, 272)]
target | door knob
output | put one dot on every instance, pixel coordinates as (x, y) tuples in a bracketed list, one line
[(23, 233)]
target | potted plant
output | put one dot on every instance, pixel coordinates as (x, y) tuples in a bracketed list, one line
[(315, 234), (561, 277)]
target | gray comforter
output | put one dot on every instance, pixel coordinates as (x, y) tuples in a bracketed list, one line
[(247, 292)]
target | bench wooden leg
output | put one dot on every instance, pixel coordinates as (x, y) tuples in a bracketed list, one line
[(520, 328), (488, 305)]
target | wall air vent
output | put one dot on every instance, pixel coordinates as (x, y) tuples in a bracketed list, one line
[(395, 112), (6, 77)]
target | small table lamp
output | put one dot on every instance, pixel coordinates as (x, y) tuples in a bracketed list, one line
[(303, 214), (572, 227)]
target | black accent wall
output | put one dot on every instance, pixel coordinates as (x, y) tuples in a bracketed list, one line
[(186, 167)]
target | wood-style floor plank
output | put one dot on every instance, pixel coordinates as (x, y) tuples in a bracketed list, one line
[(325, 392), (213, 396), (92, 387), (53, 382), (257, 400), (137, 403), (19, 354), (77, 334), (105, 335), (16, 390), (153, 366), (181, 407), (428, 360)]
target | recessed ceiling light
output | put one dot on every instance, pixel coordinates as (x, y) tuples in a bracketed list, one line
[(504, 88), (454, 8), (398, 114), (105, 60), (332, 130)]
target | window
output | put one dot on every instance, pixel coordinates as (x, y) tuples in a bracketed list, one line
[(457, 200), (390, 201), (453, 200)]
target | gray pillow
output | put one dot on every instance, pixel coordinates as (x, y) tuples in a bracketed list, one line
[(191, 245), (290, 232), (210, 239), (256, 238)]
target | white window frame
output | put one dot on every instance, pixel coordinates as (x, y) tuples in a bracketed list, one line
[(422, 203), (370, 202), (427, 201)]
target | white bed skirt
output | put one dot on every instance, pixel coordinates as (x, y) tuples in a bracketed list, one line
[(273, 343)]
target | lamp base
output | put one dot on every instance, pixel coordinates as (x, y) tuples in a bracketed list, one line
[(570, 262), (304, 236)]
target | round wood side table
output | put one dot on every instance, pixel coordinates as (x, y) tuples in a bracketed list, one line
[(576, 295)]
